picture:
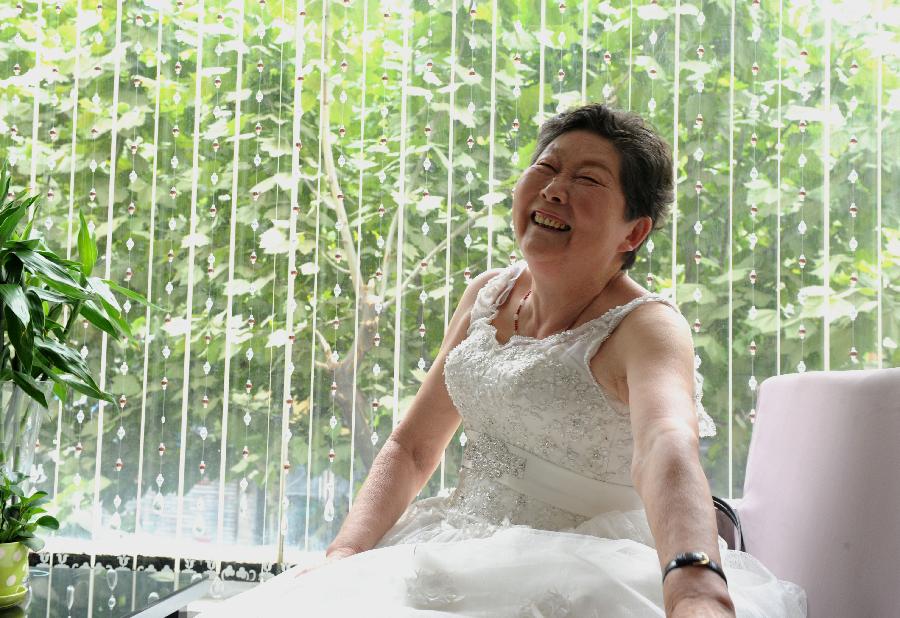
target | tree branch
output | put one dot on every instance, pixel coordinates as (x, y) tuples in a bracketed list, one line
[(337, 197)]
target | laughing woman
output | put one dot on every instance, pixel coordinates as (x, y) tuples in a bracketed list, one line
[(581, 479)]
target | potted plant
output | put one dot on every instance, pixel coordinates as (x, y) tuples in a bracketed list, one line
[(20, 517), (42, 296)]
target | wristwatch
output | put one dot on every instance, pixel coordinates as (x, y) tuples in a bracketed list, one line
[(694, 558)]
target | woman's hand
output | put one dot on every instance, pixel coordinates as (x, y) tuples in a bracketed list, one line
[(333, 556), (702, 607)]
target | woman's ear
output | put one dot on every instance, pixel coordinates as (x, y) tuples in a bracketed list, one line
[(641, 228)]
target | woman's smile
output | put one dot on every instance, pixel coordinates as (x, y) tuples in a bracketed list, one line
[(549, 222)]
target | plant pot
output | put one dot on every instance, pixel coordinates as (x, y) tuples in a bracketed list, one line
[(21, 419), (13, 573)]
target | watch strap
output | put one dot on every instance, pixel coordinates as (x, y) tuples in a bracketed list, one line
[(694, 558)]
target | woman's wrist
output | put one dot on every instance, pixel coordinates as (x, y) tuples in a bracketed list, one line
[(702, 608), (340, 551), (690, 586)]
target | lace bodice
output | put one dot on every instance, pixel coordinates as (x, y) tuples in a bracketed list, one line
[(545, 444)]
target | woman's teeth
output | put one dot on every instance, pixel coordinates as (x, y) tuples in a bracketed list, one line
[(547, 222)]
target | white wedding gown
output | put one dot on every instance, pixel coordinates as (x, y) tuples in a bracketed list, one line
[(544, 521)]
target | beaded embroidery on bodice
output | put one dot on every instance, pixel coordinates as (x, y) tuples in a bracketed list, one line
[(535, 401)]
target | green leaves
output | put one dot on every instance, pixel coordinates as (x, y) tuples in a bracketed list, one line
[(14, 299), (50, 272), (87, 247), (21, 515), (28, 384), (38, 291)]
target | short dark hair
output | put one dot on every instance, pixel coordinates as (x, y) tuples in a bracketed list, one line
[(645, 171)]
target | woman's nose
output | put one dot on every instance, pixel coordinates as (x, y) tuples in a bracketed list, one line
[(555, 191)]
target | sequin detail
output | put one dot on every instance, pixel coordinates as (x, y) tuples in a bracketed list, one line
[(490, 457)]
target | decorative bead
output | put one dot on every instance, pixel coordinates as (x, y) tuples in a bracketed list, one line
[(161, 449), (752, 348), (331, 455), (245, 452), (801, 332), (697, 325), (854, 355), (119, 465), (801, 261), (248, 386), (697, 256)]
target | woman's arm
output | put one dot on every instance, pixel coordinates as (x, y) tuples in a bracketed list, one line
[(666, 471), (413, 450)]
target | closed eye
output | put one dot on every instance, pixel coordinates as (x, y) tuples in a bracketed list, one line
[(593, 180)]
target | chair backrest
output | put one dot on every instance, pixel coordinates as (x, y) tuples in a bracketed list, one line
[(821, 505)]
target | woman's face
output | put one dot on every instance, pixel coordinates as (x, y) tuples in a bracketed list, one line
[(569, 207)]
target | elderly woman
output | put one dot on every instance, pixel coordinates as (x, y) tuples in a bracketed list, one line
[(581, 480)]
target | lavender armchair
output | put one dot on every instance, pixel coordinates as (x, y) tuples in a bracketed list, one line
[(821, 504)]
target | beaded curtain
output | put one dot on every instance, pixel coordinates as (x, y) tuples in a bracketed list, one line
[(305, 189)]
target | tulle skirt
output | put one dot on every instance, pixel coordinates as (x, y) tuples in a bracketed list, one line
[(438, 562)]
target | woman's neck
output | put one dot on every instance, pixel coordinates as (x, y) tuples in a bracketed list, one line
[(559, 300)]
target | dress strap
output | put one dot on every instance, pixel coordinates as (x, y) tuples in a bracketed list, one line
[(494, 293), (603, 327)]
